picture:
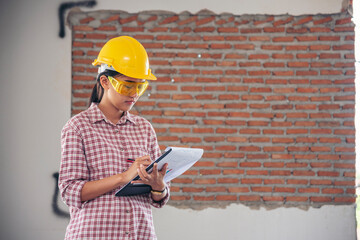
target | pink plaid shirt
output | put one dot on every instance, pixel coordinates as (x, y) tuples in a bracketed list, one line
[(93, 148)]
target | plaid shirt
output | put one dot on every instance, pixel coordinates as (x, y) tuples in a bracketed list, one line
[(93, 148)]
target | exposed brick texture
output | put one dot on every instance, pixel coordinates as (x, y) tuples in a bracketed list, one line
[(269, 98)]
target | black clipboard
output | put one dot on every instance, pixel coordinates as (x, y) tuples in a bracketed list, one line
[(135, 189)]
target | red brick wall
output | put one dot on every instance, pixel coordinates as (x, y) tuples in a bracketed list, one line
[(269, 98)]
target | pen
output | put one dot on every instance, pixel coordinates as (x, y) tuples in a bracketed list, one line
[(130, 160)]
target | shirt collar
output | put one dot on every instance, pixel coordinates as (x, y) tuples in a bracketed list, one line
[(96, 115)]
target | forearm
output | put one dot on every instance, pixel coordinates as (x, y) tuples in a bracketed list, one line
[(97, 188)]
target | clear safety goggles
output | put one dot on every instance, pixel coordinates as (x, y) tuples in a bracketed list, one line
[(128, 88)]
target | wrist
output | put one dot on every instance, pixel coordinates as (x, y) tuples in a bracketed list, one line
[(123, 178), (158, 191), (158, 194), (159, 188)]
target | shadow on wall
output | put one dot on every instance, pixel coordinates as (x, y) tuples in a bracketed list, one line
[(68, 5), (55, 207)]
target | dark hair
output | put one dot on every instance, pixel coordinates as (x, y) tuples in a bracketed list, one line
[(98, 90)]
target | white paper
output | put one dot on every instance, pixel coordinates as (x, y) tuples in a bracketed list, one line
[(179, 160)]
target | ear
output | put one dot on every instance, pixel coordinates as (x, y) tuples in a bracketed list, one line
[(104, 81)]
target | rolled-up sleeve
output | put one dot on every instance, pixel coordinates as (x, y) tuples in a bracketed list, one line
[(73, 172)]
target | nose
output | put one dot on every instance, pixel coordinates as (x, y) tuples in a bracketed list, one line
[(134, 94)]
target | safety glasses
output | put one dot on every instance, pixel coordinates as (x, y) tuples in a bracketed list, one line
[(128, 88)]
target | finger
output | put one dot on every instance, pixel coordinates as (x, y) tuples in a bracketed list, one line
[(155, 168), (146, 162), (137, 181), (144, 158), (163, 169), (142, 173)]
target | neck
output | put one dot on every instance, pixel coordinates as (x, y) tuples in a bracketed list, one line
[(110, 111)]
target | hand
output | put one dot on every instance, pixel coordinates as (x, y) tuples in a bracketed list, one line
[(155, 179), (132, 171)]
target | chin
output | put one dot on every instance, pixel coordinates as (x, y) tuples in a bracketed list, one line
[(125, 108)]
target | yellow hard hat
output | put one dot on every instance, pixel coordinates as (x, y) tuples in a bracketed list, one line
[(127, 56)]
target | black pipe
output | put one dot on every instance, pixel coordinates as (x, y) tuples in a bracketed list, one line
[(67, 5)]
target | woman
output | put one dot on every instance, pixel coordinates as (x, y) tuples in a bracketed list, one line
[(105, 147)]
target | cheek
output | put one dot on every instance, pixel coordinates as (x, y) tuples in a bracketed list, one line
[(114, 94)]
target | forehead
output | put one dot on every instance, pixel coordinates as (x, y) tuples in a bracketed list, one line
[(129, 79)]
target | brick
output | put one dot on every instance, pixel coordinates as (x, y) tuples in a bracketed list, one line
[(204, 29), (327, 173), (297, 30), (303, 20), (106, 28), (344, 29), (244, 46), (187, 21), (306, 55), (283, 39), (258, 56), (323, 20), (250, 30), (296, 199), (228, 164), (261, 189), (268, 19), (297, 48), (132, 29), (282, 56), (303, 173), (180, 198), (320, 29), (344, 199), (233, 155), (273, 198), (343, 47), (230, 181), (259, 38), (320, 47), (227, 30), (285, 189), (250, 198), (216, 189), (238, 190), (210, 171), (283, 21), (190, 38), (226, 198), (272, 47), (82, 44), (82, 28), (168, 20), (95, 36), (233, 171)]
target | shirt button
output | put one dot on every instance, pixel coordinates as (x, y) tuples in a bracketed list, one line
[(127, 211), (127, 233), (116, 131)]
